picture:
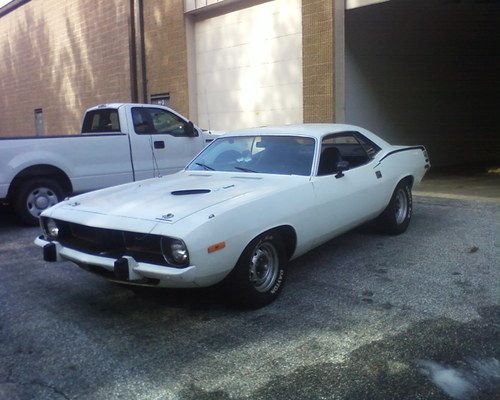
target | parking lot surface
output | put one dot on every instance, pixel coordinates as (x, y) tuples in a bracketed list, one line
[(364, 316)]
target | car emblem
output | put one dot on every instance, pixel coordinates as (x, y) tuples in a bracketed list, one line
[(166, 217)]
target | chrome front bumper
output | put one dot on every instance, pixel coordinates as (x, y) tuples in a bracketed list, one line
[(135, 273)]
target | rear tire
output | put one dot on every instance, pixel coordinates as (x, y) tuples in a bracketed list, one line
[(33, 196), (259, 275), (397, 215)]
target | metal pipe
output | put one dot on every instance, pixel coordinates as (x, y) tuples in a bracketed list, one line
[(133, 54), (143, 53)]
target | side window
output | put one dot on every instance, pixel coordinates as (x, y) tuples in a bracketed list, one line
[(371, 148), (341, 147), (101, 121), (158, 121)]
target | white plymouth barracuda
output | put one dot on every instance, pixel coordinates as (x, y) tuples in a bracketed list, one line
[(246, 205)]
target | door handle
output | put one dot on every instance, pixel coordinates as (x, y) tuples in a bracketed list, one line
[(159, 144)]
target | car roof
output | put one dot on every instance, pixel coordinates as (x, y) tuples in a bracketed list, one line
[(313, 130)]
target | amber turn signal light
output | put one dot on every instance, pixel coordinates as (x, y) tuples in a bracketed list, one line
[(216, 246)]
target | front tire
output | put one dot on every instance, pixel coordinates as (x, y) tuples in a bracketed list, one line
[(259, 275), (33, 196), (397, 215)]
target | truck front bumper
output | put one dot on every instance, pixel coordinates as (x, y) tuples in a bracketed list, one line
[(125, 269)]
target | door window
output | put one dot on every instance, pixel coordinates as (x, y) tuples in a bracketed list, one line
[(339, 147), (150, 120)]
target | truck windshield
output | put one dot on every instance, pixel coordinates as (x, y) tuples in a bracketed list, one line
[(285, 155)]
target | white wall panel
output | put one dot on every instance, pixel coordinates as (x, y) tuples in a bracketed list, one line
[(249, 66)]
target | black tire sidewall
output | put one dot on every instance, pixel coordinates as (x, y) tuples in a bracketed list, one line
[(238, 283), (388, 219), (22, 192)]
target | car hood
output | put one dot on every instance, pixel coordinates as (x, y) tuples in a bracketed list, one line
[(170, 198)]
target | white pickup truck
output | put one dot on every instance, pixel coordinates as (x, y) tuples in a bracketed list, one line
[(118, 143)]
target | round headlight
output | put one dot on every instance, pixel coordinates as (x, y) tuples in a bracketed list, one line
[(52, 228), (174, 251)]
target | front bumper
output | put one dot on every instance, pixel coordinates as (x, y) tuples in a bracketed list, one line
[(125, 269)]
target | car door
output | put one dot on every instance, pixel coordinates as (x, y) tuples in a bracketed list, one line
[(161, 143), (347, 198)]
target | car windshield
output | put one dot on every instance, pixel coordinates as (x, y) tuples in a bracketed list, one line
[(285, 155)]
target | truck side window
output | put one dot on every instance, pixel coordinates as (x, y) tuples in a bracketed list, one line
[(101, 121), (150, 120)]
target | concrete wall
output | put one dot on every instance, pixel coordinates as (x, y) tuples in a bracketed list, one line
[(63, 57), (427, 73)]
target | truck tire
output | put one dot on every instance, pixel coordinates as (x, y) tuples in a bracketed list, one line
[(33, 196)]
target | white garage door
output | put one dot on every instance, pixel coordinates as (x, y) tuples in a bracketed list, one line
[(249, 66)]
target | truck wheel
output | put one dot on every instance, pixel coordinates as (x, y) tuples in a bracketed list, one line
[(396, 217), (33, 196), (259, 275)]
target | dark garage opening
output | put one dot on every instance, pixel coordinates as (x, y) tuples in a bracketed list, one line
[(427, 72)]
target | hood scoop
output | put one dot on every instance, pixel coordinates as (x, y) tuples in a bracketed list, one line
[(190, 191)]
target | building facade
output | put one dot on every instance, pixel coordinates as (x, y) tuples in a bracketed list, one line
[(414, 72), (224, 64), (58, 58)]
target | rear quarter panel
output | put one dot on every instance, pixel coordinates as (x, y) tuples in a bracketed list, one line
[(398, 162)]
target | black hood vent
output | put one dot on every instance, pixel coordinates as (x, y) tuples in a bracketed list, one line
[(190, 191)]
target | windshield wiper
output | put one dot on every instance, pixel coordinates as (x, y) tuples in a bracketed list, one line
[(205, 166), (244, 169)]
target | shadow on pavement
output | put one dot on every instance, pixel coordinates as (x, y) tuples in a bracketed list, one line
[(8, 219)]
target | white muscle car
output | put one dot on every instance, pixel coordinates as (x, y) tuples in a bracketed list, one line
[(246, 205)]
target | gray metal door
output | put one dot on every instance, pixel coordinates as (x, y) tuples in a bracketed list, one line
[(40, 130)]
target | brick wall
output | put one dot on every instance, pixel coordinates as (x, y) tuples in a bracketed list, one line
[(318, 62), (63, 57), (166, 51), (66, 56)]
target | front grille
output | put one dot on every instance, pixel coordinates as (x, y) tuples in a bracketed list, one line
[(111, 243)]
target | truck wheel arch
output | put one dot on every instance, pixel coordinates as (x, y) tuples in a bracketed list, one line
[(41, 171)]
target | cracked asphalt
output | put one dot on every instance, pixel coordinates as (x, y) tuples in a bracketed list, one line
[(357, 319)]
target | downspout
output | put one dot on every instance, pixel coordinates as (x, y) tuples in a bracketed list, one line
[(133, 54), (143, 53)]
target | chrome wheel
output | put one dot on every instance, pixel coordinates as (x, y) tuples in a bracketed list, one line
[(264, 266), (401, 206), (40, 199)]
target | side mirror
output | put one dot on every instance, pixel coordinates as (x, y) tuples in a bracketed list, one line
[(190, 130), (340, 167)]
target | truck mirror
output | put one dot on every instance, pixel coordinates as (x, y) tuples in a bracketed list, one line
[(191, 130)]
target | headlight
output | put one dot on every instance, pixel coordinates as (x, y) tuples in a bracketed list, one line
[(174, 251), (51, 228)]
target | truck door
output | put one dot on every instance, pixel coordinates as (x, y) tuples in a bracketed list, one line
[(160, 142)]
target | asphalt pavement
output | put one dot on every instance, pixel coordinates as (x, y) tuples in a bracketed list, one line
[(364, 316)]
